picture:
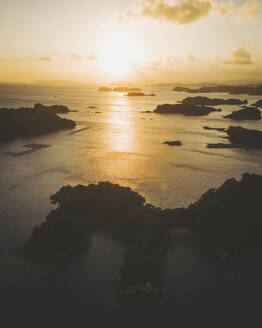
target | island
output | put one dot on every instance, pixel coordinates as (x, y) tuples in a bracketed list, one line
[(212, 101), (173, 143), (241, 138), (226, 221), (126, 89), (139, 94), (252, 90), (258, 103), (246, 113), (185, 109), (24, 122), (105, 89), (58, 109)]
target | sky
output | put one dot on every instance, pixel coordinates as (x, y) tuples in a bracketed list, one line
[(142, 41)]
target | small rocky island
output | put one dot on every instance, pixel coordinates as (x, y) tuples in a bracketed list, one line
[(240, 138), (246, 113), (185, 109), (173, 143), (226, 221), (206, 101), (24, 122), (105, 89)]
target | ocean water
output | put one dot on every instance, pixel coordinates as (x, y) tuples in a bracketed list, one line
[(124, 146)]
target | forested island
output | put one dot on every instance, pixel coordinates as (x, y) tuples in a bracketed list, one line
[(225, 221), (23, 122)]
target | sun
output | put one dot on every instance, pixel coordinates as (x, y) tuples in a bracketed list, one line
[(118, 52)]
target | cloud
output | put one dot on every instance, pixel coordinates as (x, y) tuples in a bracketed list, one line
[(249, 11), (92, 57), (45, 58), (240, 56), (191, 58), (188, 11), (182, 12)]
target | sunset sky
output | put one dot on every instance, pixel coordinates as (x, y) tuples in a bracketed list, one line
[(140, 41)]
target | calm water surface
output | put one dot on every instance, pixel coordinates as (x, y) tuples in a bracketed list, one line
[(125, 146)]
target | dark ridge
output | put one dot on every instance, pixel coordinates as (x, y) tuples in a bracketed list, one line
[(247, 113), (212, 101), (23, 122), (185, 109)]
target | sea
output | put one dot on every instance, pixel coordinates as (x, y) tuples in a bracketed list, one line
[(117, 140)]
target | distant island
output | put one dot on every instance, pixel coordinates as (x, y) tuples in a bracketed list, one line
[(185, 109), (230, 89), (119, 89), (24, 122), (205, 101), (139, 94)]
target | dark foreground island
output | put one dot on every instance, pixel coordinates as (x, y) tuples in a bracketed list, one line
[(185, 109), (23, 122), (226, 221)]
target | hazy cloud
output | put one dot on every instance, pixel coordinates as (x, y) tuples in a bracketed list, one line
[(45, 58), (188, 11), (240, 56)]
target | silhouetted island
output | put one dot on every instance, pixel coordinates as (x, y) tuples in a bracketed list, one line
[(173, 143), (246, 113), (185, 109), (105, 89), (241, 138), (231, 89), (139, 94), (58, 109), (226, 221), (212, 101), (126, 89), (24, 122), (216, 129), (258, 103)]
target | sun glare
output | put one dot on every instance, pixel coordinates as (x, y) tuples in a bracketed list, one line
[(117, 54)]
